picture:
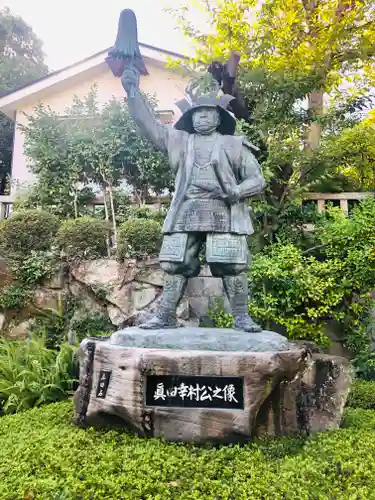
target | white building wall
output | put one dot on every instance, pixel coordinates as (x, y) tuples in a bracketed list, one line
[(167, 85)]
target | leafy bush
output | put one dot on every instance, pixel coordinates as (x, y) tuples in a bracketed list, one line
[(90, 463), (131, 212), (358, 418), (91, 324), (13, 297), (83, 238), (36, 268), (364, 364), (362, 395), (299, 293), (25, 231), (52, 326), (220, 318), (138, 238), (302, 290), (31, 374)]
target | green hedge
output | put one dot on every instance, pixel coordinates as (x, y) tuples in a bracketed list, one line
[(25, 231), (362, 395), (42, 456), (358, 418), (83, 238), (138, 238)]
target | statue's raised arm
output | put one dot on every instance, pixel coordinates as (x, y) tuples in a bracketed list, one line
[(142, 112), (125, 59)]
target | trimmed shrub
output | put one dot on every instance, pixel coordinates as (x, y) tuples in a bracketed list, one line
[(83, 238), (358, 418), (362, 395), (138, 238), (25, 231), (97, 465)]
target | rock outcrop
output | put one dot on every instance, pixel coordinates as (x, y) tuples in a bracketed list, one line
[(209, 385), (132, 290), (128, 293)]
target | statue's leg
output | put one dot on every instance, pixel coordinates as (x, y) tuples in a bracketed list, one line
[(234, 278), (178, 274)]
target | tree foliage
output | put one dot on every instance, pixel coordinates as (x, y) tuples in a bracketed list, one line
[(294, 53), (90, 146), (304, 293), (21, 61), (353, 152), (302, 39), (306, 73)]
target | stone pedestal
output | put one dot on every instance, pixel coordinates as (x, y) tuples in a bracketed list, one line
[(208, 385)]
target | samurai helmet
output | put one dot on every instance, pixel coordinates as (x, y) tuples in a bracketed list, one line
[(195, 100)]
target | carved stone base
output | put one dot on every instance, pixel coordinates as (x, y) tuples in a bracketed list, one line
[(208, 395)]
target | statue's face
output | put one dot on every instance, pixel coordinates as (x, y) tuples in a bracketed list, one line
[(206, 120)]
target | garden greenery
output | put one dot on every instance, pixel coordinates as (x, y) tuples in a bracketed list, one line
[(301, 291), (114, 464), (139, 238), (35, 268), (26, 231), (83, 238), (31, 374), (13, 297), (362, 395)]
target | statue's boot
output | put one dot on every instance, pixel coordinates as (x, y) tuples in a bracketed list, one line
[(166, 316), (236, 289)]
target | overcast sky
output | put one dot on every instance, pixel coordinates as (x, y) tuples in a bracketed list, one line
[(74, 29)]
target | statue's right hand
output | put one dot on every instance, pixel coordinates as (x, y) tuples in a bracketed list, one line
[(130, 79)]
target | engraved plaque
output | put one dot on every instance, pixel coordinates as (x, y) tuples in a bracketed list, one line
[(183, 391), (226, 248), (173, 247), (103, 382)]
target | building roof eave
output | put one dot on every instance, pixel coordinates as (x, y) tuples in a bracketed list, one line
[(10, 100)]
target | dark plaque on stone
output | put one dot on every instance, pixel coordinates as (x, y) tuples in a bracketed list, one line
[(181, 391), (103, 383)]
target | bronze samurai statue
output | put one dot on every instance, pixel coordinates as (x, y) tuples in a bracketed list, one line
[(216, 172)]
